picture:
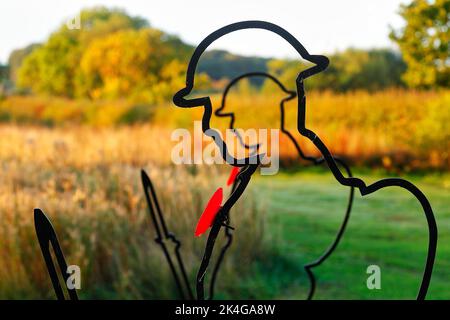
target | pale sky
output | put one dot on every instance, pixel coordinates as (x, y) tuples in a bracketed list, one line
[(323, 26)]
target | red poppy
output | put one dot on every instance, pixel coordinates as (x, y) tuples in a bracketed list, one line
[(210, 212), (233, 175)]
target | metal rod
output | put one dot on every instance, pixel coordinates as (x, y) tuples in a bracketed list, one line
[(163, 235), (47, 236)]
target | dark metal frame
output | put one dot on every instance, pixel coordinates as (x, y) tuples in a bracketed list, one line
[(229, 239), (320, 63), (47, 236), (315, 161), (163, 235), (157, 217)]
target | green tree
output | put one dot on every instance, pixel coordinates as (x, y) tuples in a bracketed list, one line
[(349, 70), (52, 68), (4, 70), (285, 70), (4, 79), (16, 58), (424, 42), (112, 55), (220, 64), (130, 63)]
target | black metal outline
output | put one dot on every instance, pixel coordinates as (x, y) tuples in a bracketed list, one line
[(223, 251), (47, 236), (243, 179), (321, 63), (368, 189), (162, 235), (316, 161)]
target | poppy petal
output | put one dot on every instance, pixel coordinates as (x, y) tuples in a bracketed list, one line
[(233, 174), (210, 212)]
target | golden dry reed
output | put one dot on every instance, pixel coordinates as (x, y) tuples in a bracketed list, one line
[(88, 181), (394, 129)]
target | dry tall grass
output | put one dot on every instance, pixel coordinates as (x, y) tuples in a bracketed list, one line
[(88, 181), (86, 178), (404, 128), (395, 129)]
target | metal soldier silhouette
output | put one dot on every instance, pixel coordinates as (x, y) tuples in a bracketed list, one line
[(247, 167), (250, 164)]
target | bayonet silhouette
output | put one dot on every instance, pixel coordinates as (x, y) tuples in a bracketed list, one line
[(163, 235), (47, 237)]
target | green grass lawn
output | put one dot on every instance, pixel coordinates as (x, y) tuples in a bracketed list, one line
[(387, 229)]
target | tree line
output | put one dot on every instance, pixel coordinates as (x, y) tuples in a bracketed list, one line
[(115, 55)]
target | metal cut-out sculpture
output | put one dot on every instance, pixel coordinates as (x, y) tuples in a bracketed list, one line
[(315, 161), (320, 63), (243, 170), (47, 237), (163, 235)]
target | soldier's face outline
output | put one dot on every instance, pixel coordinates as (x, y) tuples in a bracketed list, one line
[(179, 99)]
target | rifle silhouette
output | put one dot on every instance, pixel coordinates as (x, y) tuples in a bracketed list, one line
[(47, 236), (220, 221), (162, 235), (229, 239)]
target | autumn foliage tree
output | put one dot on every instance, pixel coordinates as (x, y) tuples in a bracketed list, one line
[(112, 55), (128, 63), (352, 69), (424, 43)]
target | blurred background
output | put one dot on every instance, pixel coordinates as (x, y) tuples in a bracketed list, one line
[(85, 103)]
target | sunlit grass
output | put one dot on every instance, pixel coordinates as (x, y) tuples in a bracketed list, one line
[(88, 181), (85, 176), (394, 129), (387, 228)]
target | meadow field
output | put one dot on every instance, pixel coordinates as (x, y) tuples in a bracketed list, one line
[(80, 162), (386, 229), (88, 181), (86, 104), (395, 129)]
